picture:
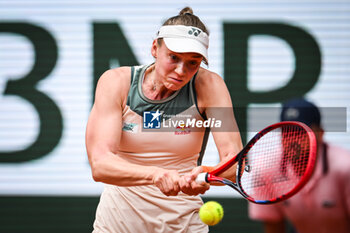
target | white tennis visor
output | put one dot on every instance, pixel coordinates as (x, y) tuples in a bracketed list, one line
[(185, 39)]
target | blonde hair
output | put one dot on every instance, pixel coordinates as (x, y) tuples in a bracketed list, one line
[(187, 18)]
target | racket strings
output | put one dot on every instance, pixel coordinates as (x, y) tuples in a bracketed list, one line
[(276, 163)]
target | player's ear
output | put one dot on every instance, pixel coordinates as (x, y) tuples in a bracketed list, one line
[(320, 136), (318, 133), (154, 48)]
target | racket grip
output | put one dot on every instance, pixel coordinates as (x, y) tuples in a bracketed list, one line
[(202, 178)]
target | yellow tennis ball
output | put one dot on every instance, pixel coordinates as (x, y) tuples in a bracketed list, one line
[(211, 213)]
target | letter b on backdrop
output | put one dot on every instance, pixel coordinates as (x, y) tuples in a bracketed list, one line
[(50, 117)]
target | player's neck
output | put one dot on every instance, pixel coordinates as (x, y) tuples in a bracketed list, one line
[(153, 88)]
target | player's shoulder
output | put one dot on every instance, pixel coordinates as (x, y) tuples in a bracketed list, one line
[(114, 84), (339, 158), (339, 152), (120, 74), (206, 75), (208, 80), (118, 78)]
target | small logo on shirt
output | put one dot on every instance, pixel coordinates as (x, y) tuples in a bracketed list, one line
[(182, 129), (152, 119), (130, 127)]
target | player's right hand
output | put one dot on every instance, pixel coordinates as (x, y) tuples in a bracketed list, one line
[(167, 181)]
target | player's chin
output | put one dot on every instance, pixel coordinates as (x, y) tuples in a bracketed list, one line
[(174, 86)]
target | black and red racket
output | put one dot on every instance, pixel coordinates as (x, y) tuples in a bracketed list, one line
[(274, 165)]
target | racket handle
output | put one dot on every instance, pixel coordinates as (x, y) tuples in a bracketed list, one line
[(202, 178)]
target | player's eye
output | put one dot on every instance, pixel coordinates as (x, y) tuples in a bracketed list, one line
[(193, 63), (173, 57)]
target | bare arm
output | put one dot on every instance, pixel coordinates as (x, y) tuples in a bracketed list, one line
[(103, 135), (214, 100)]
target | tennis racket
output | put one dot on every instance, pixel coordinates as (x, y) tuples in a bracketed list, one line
[(274, 165)]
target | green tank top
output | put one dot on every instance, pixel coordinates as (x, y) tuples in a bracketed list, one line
[(176, 103), (181, 101)]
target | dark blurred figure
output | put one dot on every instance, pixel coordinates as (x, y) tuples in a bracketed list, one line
[(323, 205)]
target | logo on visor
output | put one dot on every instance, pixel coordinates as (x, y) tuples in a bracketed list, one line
[(194, 32)]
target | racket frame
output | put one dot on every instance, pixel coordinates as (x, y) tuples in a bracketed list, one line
[(239, 159)]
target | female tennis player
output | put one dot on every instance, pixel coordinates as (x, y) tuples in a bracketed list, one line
[(149, 168)]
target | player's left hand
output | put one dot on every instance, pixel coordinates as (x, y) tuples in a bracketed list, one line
[(188, 184)]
